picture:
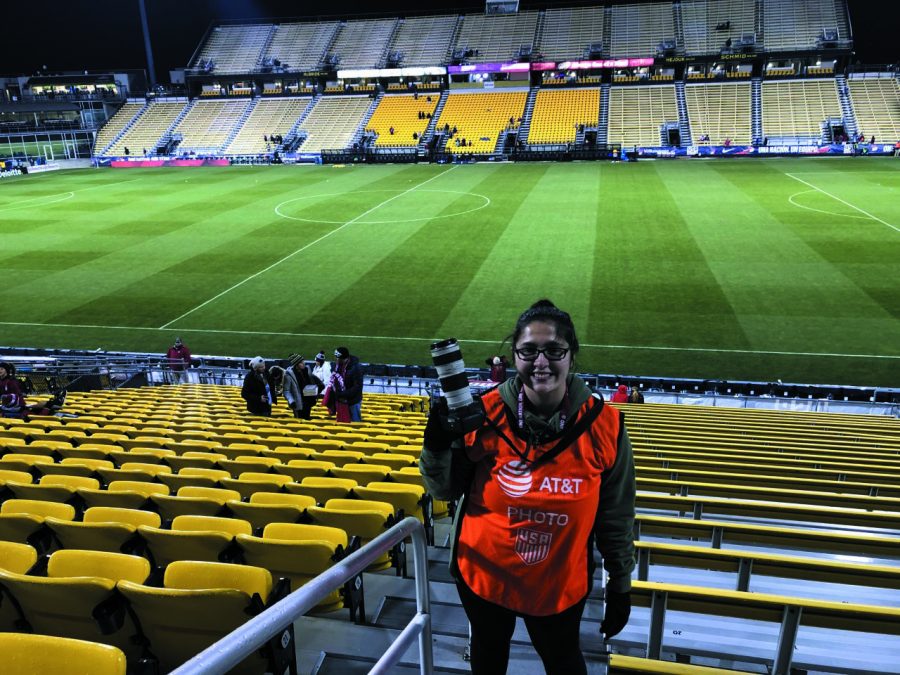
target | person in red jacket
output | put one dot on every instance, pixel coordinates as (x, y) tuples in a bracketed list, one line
[(179, 360), (12, 400), (621, 395), (548, 475)]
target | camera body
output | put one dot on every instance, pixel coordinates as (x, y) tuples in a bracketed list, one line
[(464, 413)]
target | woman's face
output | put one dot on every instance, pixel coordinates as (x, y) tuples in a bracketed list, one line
[(3, 373), (543, 376)]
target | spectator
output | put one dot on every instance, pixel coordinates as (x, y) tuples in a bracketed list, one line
[(636, 396), (300, 390), (12, 400), (498, 365), (321, 372), (621, 395), (348, 386), (258, 390), (523, 533), (179, 360), (872, 140)]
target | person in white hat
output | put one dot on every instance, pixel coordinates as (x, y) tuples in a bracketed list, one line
[(322, 371)]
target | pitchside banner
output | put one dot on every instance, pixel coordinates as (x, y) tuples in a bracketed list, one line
[(144, 163), (762, 151)]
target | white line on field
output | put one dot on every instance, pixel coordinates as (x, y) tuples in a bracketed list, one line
[(790, 175), (216, 331), (303, 248), (25, 203)]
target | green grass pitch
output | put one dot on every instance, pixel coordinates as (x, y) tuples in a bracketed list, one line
[(733, 269)]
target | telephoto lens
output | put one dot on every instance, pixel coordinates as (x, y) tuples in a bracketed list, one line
[(465, 414)]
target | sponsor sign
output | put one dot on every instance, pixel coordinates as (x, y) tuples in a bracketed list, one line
[(532, 546)]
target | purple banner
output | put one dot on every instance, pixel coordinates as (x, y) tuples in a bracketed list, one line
[(472, 68), (143, 163)]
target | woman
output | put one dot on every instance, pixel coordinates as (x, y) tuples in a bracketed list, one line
[(12, 400), (300, 391), (258, 390), (621, 395), (532, 503)]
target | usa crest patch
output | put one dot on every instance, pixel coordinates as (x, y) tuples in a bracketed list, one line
[(532, 546)]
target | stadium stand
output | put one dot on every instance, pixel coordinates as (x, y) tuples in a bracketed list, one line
[(798, 24), (876, 102), (423, 40), (637, 30), (233, 48), (719, 111), (708, 24), (116, 125), (333, 122), (496, 38), (301, 46), (569, 31), (798, 108), (207, 125), (480, 117), (557, 113), (636, 113), (147, 129), (397, 117), (363, 44), (270, 116)]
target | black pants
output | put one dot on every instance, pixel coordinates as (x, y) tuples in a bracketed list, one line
[(555, 637)]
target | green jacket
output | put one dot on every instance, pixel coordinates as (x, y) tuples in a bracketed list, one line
[(448, 473)]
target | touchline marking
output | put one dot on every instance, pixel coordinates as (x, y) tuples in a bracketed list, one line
[(303, 248), (790, 175), (419, 339)]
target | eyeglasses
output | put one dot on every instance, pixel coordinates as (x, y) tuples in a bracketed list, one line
[(552, 353)]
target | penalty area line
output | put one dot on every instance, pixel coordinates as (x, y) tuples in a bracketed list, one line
[(222, 331), (846, 203)]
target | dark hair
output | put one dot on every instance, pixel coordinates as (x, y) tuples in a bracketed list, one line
[(544, 310), (8, 367)]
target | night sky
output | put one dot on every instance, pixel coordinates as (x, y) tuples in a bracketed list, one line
[(106, 34)]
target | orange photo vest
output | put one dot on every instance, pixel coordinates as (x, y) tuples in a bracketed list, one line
[(525, 533)]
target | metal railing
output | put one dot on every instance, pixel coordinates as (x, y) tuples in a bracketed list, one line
[(228, 652)]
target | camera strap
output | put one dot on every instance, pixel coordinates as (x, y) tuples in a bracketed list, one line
[(581, 425)]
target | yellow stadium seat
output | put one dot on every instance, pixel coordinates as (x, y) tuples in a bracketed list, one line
[(322, 489), (26, 654), (357, 517), (17, 557), (199, 604), (252, 482), (193, 500), (298, 553), (298, 469), (193, 538), (103, 529)]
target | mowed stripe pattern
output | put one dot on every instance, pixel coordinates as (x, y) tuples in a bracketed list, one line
[(717, 255)]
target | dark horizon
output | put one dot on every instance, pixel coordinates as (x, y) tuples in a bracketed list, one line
[(106, 35)]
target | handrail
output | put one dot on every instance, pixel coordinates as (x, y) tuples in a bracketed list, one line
[(228, 652)]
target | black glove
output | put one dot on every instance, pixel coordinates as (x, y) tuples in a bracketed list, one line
[(436, 436), (618, 609)]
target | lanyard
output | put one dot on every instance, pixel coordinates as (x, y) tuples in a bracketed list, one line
[(563, 414)]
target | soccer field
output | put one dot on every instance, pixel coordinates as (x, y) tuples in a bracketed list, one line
[(732, 269)]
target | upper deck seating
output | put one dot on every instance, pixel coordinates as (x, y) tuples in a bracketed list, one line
[(234, 48), (362, 44), (557, 113), (637, 30), (479, 118), (876, 103), (636, 113), (333, 122), (796, 24), (708, 24), (719, 111), (496, 38), (301, 46), (569, 31), (423, 40)]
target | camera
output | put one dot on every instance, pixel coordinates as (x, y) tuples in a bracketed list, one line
[(465, 414)]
